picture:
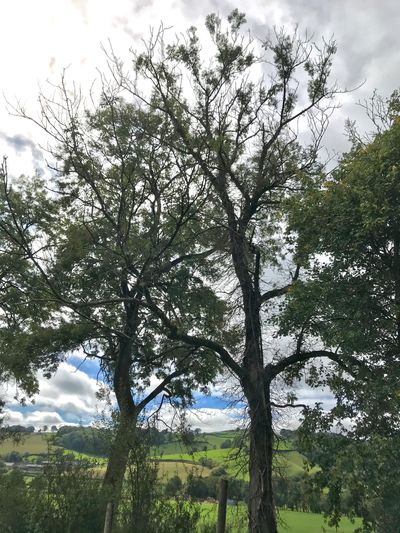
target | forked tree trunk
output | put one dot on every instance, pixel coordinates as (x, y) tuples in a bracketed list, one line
[(262, 517)]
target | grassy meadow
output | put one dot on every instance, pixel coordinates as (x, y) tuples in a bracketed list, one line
[(289, 521), (289, 462), (173, 457), (31, 443)]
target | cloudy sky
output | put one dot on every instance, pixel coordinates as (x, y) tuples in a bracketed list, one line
[(39, 39)]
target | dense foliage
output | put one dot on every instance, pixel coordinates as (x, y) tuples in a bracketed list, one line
[(84, 440), (67, 497), (352, 301)]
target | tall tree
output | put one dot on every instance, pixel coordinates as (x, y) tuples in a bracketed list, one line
[(235, 112), (121, 216), (352, 298), (351, 302)]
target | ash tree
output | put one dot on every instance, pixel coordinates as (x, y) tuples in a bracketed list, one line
[(122, 216), (235, 107)]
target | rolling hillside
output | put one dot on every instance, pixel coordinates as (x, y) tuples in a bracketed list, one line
[(174, 457)]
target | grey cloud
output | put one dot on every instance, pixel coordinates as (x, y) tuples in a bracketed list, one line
[(367, 37), (207, 419), (125, 24), (196, 11), (20, 144), (66, 384), (70, 392), (141, 5), (36, 418), (366, 32)]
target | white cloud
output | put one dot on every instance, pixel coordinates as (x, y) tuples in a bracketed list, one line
[(36, 418), (70, 33), (70, 395), (207, 419)]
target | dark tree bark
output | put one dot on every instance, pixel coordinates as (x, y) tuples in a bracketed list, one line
[(261, 504), (257, 392), (128, 411)]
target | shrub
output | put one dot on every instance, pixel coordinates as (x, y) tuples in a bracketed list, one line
[(143, 507), (207, 462), (14, 503), (66, 497), (173, 486), (219, 471)]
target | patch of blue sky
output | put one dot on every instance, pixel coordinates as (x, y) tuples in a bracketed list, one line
[(91, 367), (214, 402)]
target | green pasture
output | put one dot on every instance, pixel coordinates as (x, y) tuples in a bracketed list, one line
[(289, 462), (173, 455), (218, 455), (289, 521), (168, 469), (209, 440), (32, 443)]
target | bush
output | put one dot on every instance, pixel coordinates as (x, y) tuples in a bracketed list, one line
[(219, 471), (226, 444), (207, 462), (143, 507), (66, 497), (14, 503), (177, 516), (197, 487), (173, 486), (12, 457), (84, 440)]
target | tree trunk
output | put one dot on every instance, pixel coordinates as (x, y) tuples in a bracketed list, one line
[(128, 413), (118, 458), (261, 506)]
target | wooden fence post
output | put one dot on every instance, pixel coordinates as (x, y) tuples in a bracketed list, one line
[(223, 496), (109, 518)]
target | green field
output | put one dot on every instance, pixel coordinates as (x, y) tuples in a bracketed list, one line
[(32, 443), (289, 462), (296, 522), (209, 440), (289, 521), (166, 470), (171, 455)]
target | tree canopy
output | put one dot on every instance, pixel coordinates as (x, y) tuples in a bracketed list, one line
[(351, 299), (235, 110), (122, 216)]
